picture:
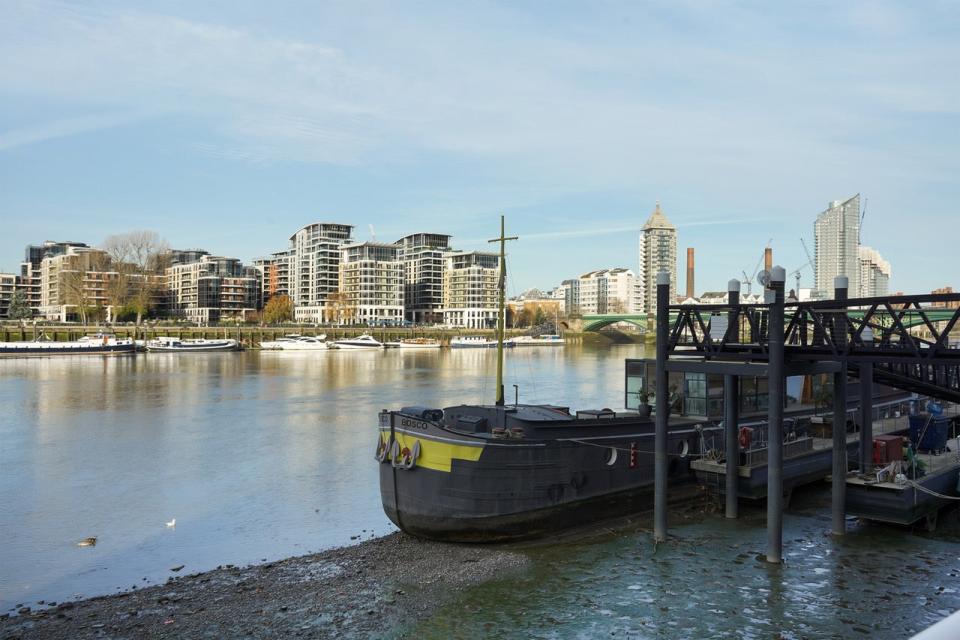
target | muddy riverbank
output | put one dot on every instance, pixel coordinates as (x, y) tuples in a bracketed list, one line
[(377, 587)]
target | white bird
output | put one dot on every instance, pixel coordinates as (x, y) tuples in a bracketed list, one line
[(172, 523)]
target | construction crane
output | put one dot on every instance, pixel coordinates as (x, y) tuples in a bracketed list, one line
[(748, 280), (796, 274), (863, 214), (809, 262)]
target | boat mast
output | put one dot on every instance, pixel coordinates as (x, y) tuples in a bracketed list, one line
[(501, 313)]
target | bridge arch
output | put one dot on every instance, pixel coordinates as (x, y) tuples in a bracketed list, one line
[(597, 322)]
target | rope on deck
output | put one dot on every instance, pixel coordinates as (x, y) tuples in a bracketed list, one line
[(626, 450), (917, 485)]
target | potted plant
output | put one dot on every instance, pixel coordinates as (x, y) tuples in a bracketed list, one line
[(644, 409)]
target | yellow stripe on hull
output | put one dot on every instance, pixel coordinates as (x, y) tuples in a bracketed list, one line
[(435, 454)]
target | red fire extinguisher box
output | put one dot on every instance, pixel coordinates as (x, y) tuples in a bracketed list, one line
[(886, 449)]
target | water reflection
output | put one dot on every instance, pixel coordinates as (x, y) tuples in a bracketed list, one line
[(707, 582), (257, 455)]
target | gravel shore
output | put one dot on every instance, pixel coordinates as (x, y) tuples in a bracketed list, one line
[(375, 588)]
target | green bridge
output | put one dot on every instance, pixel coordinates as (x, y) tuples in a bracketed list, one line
[(597, 322), (909, 319)]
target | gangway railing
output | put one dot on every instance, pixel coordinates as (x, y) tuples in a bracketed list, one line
[(906, 338)]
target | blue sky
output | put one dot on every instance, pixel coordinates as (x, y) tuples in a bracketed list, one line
[(229, 125)]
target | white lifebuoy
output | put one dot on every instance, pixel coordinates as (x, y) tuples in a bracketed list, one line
[(610, 457), (395, 454), (408, 456), (383, 449)]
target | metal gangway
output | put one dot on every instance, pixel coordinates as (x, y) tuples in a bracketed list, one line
[(901, 341)]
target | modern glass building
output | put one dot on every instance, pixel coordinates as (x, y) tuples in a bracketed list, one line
[(874, 273), (837, 237), (423, 260), (371, 285), (315, 269), (470, 294), (211, 289), (658, 252)]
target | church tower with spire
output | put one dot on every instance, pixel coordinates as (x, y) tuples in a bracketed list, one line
[(658, 252)]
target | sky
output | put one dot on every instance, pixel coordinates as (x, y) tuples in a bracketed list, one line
[(228, 125)]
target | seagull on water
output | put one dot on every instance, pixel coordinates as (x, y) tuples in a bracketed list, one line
[(172, 523)]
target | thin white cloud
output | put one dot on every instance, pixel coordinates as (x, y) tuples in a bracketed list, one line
[(611, 230), (63, 128), (598, 108), (724, 221)]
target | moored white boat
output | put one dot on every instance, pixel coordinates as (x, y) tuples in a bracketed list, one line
[(365, 341), (415, 343), (297, 343), (96, 344), (167, 344), (476, 342), (543, 340)]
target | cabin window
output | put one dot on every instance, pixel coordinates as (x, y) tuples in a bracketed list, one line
[(636, 383), (796, 389), (640, 378), (715, 395), (695, 397), (754, 394)]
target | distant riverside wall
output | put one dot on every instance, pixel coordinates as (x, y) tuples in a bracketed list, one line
[(251, 336)]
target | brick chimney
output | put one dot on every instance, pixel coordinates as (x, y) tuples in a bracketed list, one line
[(690, 287)]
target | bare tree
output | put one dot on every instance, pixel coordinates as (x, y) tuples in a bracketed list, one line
[(118, 290), (138, 256), (75, 291), (617, 305), (340, 310)]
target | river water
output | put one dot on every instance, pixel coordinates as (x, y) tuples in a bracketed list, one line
[(261, 456), (257, 455)]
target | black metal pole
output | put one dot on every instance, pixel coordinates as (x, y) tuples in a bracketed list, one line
[(775, 381), (731, 405), (731, 400), (662, 409), (838, 479), (866, 416)]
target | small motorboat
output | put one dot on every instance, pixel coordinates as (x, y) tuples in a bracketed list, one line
[(295, 342), (476, 342), (178, 345), (543, 340), (365, 341), (414, 343)]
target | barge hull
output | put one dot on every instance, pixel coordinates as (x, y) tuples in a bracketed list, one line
[(524, 489), (901, 505)]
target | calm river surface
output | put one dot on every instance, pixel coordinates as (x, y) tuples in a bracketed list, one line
[(257, 455), (261, 456)]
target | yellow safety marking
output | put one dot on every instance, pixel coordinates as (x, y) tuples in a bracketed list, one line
[(435, 454)]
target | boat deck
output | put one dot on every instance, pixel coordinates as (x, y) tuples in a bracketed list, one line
[(878, 496), (819, 444), (934, 463)]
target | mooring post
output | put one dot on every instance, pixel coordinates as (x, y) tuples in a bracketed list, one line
[(731, 400), (838, 479), (663, 410), (731, 404), (775, 383), (866, 416)]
